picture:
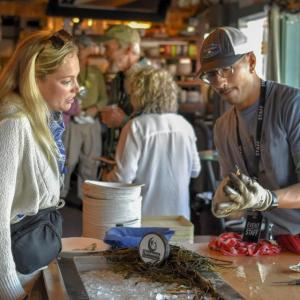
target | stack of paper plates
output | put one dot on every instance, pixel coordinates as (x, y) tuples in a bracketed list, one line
[(110, 204), (92, 230), (100, 212), (111, 190)]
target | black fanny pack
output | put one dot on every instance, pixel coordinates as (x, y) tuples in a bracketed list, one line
[(36, 240)]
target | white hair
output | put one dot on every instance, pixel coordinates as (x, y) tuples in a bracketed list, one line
[(136, 48)]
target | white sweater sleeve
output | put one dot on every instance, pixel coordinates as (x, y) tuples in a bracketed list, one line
[(12, 142)]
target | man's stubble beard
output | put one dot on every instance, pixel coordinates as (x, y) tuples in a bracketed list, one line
[(113, 68)]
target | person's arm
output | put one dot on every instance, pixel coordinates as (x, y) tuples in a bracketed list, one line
[(12, 141), (225, 164), (196, 167), (127, 156), (239, 192), (100, 93), (289, 197), (247, 193), (221, 204), (112, 115)]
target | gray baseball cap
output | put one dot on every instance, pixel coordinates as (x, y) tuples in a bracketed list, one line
[(222, 48)]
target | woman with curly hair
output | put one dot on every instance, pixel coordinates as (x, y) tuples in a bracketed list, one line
[(157, 147)]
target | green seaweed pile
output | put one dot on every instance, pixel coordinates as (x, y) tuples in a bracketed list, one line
[(183, 267)]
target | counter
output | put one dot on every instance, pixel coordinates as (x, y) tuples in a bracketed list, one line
[(251, 277)]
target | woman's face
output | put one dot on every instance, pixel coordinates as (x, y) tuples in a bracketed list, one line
[(60, 88)]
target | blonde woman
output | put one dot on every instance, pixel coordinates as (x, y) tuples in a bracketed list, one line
[(157, 147), (36, 85)]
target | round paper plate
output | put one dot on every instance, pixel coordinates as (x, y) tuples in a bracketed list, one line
[(74, 246)]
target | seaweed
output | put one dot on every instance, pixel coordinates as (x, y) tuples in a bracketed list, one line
[(183, 267)]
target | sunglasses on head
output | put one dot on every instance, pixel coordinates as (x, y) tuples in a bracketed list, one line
[(59, 38)]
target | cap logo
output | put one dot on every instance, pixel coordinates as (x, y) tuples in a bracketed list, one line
[(211, 51)]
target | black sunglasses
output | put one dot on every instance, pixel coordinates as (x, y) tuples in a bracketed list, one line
[(59, 38)]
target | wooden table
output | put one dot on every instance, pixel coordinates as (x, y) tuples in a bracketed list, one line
[(252, 277)]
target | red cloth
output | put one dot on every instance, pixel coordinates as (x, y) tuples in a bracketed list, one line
[(231, 244), (289, 242)]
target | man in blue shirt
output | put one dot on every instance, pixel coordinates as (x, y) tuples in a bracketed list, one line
[(260, 134)]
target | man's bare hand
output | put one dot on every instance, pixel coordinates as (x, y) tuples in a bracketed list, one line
[(112, 116), (92, 111)]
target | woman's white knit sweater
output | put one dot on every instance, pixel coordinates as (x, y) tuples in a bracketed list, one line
[(28, 182)]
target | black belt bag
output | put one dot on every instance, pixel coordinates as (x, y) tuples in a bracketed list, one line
[(36, 240)]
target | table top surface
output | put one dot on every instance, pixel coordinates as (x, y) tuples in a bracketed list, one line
[(251, 277)]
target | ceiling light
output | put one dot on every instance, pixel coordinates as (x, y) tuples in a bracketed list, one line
[(139, 25), (190, 29), (76, 20), (90, 22)]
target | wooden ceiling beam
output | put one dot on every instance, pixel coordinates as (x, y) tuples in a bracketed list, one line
[(9, 8), (104, 3)]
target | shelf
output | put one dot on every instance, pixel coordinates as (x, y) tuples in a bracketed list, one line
[(178, 40), (190, 107), (180, 51), (171, 57), (188, 83)]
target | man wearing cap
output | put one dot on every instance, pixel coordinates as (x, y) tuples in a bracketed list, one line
[(83, 136), (123, 52), (258, 138)]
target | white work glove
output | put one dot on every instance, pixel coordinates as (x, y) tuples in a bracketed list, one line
[(247, 193), (222, 205)]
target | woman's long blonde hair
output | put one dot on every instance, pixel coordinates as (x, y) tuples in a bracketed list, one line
[(35, 57), (154, 91)]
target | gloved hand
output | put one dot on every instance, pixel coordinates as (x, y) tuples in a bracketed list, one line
[(247, 193), (222, 205)]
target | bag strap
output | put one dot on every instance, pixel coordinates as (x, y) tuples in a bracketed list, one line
[(61, 203)]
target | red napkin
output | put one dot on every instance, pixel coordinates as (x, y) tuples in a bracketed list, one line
[(231, 244), (289, 242)]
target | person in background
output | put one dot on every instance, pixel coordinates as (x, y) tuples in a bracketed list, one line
[(83, 140), (260, 134), (36, 85), (157, 147), (122, 49)]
